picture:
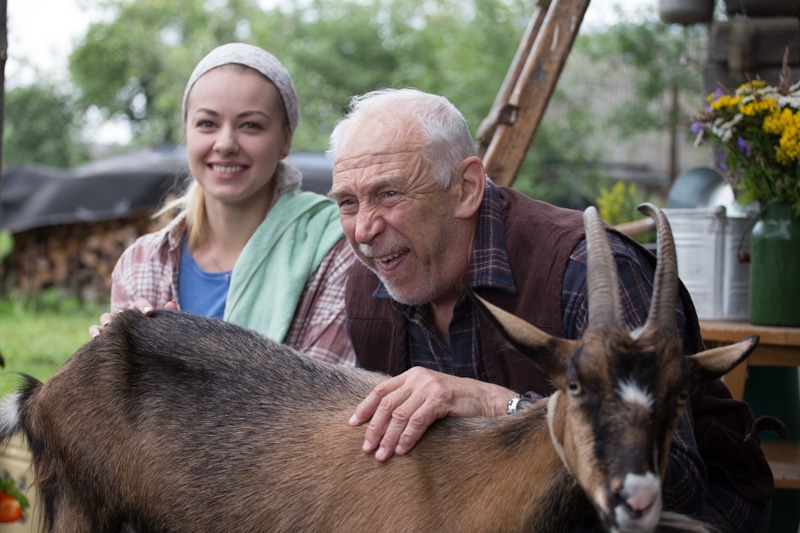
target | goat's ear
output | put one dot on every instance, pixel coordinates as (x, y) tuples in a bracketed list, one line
[(716, 362), (546, 351)]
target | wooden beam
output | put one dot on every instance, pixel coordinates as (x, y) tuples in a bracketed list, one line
[(500, 112), (634, 228), (517, 117)]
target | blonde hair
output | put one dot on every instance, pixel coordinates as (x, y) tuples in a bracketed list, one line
[(193, 202)]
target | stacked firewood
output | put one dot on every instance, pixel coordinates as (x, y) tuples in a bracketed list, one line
[(76, 259)]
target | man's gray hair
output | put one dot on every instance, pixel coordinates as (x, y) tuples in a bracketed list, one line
[(444, 129)]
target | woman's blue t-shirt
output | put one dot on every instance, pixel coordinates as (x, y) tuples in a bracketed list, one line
[(201, 292)]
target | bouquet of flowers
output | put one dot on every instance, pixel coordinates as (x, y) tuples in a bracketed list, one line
[(757, 130)]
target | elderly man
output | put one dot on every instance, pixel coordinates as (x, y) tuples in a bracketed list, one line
[(426, 222)]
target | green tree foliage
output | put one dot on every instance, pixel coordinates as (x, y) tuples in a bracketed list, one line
[(652, 57), (561, 165), (451, 47), (618, 204), (42, 126), (333, 51), (6, 243), (618, 83), (135, 62)]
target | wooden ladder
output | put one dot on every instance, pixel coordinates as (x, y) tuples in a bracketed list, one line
[(507, 132)]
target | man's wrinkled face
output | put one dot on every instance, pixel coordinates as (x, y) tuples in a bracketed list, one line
[(395, 214)]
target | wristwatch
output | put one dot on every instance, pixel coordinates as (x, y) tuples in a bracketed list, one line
[(518, 403)]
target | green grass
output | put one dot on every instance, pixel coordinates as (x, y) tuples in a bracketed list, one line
[(38, 342)]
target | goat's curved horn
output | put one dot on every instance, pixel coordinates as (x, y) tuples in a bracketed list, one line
[(602, 279), (662, 314)]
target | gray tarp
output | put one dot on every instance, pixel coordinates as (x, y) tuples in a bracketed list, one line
[(36, 196)]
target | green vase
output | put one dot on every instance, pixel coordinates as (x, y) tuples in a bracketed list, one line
[(775, 267)]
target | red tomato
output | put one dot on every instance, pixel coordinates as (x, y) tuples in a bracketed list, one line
[(10, 509)]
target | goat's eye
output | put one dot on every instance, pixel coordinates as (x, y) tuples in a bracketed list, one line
[(574, 387)]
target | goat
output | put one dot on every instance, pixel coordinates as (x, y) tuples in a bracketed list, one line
[(181, 423)]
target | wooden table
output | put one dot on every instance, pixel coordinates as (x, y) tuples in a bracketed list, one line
[(777, 347)]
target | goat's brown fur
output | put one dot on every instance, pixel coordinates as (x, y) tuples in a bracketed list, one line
[(179, 423)]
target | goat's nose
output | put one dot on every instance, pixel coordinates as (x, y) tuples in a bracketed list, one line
[(641, 501), (638, 508), (640, 492)]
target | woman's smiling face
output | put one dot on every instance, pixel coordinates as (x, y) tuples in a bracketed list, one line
[(236, 133)]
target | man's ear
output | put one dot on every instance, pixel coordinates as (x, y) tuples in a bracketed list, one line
[(472, 183)]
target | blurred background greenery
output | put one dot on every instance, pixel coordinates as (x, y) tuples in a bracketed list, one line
[(36, 337), (618, 86)]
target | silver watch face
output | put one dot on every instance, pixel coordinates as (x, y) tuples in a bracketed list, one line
[(517, 403)]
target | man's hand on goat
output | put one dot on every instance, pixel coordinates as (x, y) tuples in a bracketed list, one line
[(401, 409), (141, 304)]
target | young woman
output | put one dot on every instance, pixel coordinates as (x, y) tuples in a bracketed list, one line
[(248, 245)]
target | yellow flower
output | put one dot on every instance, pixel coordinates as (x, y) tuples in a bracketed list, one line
[(757, 107), (751, 86), (774, 123), (790, 142), (725, 101), (786, 124)]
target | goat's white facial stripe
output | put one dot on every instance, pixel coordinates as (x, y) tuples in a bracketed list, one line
[(633, 394)]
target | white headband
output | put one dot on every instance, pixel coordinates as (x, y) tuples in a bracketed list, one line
[(257, 59)]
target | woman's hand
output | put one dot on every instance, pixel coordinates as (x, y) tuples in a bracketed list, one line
[(141, 304)]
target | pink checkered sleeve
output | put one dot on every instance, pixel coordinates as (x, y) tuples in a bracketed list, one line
[(318, 328), (148, 269)]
